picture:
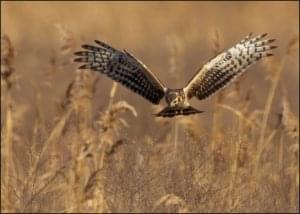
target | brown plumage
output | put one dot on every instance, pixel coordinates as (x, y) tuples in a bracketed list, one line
[(123, 67)]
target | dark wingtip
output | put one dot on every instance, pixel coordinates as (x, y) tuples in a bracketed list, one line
[(78, 53), (271, 40), (98, 42), (269, 54), (77, 59), (273, 47), (104, 45), (82, 67), (263, 35), (85, 46)]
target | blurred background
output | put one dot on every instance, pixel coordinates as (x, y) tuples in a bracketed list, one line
[(173, 39), (149, 30)]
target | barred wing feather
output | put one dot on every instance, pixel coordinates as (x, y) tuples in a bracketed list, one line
[(122, 67), (225, 67)]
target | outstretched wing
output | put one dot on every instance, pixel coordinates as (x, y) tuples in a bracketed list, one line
[(225, 67), (122, 67)]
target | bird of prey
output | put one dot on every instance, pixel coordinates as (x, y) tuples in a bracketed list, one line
[(126, 69)]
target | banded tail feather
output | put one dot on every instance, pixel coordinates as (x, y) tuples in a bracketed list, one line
[(176, 111)]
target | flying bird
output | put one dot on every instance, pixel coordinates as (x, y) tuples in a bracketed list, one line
[(126, 69)]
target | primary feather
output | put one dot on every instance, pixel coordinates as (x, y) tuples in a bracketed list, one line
[(122, 67), (225, 67)]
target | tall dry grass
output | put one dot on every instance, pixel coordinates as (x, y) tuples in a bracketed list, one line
[(76, 155)]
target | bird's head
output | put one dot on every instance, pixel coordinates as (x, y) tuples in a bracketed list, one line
[(174, 97)]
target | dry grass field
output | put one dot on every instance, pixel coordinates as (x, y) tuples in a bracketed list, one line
[(73, 141)]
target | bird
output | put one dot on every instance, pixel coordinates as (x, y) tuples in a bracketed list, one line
[(218, 72)]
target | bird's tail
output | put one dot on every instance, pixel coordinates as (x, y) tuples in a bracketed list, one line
[(175, 111)]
